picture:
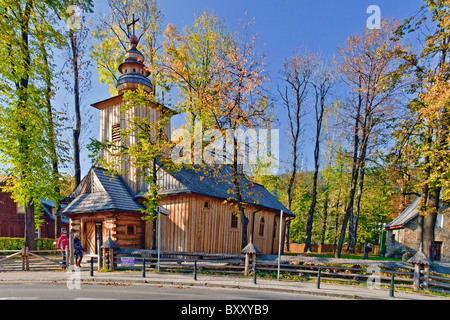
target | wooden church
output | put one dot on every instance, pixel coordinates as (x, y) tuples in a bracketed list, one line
[(200, 219)]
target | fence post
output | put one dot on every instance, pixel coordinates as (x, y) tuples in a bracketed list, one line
[(391, 291), (318, 278), (23, 258), (195, 269), (416, 284), (143, 267), (426, 276), (254, 269), (71, 256), (27, 257), (247, 263), (67, 257)]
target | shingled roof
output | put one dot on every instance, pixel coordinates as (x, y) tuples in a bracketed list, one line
[(410, 213), (99, 192), (217, 182)]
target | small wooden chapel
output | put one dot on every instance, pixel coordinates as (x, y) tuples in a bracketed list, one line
[(200, 219)]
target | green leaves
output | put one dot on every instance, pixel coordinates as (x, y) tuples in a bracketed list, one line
[(29, 137)]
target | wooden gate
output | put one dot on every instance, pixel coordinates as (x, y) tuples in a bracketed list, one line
[(40, 260)]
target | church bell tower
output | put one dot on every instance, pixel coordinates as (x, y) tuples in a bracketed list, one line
[(133, 70), (112, 119)]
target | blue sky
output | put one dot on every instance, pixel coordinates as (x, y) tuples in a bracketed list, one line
[(282, 26)]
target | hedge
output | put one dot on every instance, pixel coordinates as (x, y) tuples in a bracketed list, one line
[(18, 243)]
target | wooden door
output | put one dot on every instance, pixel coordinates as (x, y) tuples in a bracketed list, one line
[(90, 237), (437, 251)]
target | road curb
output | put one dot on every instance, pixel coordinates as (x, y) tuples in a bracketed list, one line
[(120, 282), (211, 284)]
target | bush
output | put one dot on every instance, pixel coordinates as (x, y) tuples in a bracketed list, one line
[(45, 244), (18, 243), (11, 243)]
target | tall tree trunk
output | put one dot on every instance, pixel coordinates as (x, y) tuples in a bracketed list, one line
[(353, 235), (430, 222), (22, 102), (237, 173), (309, 222), (423, 202), (76, 92), (336, 220), (320, 109), (354, 178), (354, 223), (52, 140), (325, 217), (29, 226)]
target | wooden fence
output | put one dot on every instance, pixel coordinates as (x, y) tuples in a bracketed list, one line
[(235, 264), (330, 248), (22, 259), (348, 272)]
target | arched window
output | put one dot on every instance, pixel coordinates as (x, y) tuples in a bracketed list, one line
[(234, 221), (274, 235), (261, 226)]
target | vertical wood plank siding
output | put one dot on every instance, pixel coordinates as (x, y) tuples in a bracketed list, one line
[(193, 228), (112, 115)]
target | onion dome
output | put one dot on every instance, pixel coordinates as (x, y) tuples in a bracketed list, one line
[(133, 70)]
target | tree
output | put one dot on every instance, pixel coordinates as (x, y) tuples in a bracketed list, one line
[(322, 83), (76, 50), (220, 84), (369, 60), (239, 103), (297, 73), (190, 64), (332, 154), (24, 111), (427, 138)]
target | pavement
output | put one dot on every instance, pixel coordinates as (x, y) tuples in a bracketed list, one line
[(176, 279)]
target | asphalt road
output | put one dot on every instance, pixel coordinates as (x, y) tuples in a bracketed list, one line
[(38, 291)]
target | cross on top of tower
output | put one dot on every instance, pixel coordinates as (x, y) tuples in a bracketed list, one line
[(132, 23)]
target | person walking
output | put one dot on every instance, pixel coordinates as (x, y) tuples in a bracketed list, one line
[(78, 250)]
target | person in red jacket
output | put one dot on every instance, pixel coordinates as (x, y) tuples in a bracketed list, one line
[(62, 244)]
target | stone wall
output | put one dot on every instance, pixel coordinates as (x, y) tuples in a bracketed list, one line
[(401, 241)]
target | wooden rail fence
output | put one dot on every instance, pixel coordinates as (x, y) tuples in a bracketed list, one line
[(24, 256), (235, 264)]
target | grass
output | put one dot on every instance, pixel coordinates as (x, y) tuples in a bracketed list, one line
[(347, 256)]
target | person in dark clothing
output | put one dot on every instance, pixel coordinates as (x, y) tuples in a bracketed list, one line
[(78, 250)]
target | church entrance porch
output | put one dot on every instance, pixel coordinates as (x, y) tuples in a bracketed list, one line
[(93, 232), (126, 229)]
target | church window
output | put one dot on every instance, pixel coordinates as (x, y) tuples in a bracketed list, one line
[(261, 227), (274, 235), (234, 221), (131, 229), (115, 132), (206, 204)]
